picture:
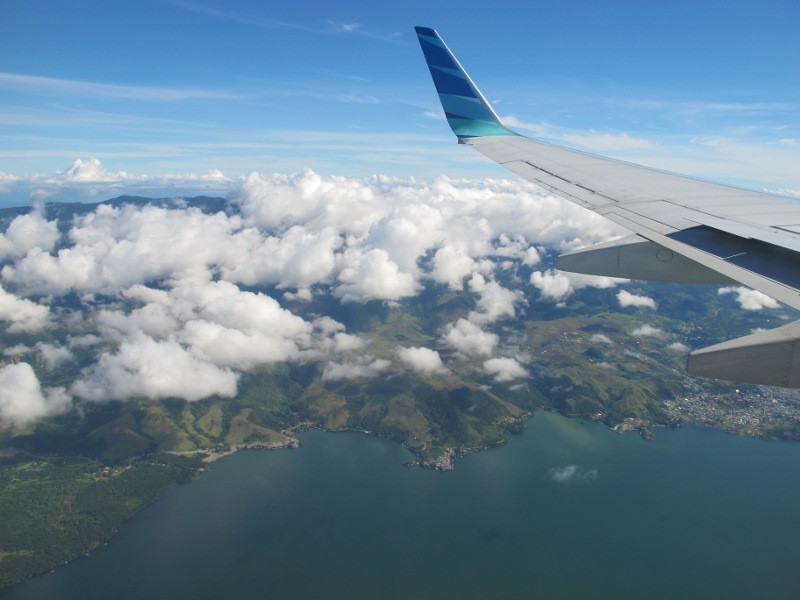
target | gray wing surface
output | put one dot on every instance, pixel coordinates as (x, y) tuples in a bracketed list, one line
[(685, 230)]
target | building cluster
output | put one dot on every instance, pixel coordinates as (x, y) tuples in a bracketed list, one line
[(753, 413)]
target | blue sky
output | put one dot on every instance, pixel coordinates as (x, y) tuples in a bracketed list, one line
[(161, 91)]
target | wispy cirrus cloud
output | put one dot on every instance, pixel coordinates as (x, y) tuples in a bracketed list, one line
[(360, 99), (327, 26), (246, 19), (731, 142), (688, 107), (55, 85), (607, 141)]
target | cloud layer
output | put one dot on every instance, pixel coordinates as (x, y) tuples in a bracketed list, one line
[(180, 302)]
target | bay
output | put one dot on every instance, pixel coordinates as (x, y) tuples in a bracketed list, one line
[(566, 510)]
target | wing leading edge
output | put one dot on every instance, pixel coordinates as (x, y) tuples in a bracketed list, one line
[(685, 230)]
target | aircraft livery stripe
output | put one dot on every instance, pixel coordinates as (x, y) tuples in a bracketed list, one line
[(466, 110)]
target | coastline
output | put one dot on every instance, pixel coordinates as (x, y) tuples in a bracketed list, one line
[(445, 461), (211, 455)]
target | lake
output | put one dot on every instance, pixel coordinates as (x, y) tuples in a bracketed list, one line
[(566, 510)]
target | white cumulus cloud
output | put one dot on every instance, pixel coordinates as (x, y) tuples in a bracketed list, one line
[(504, 369), (21, 314), (147, 368), (599, 338), (171, 301), (373, 275), (470, 339), (53, 355), (424, 360), (495, 302), (557, 285), (363, 369), (92, 170), (22, 398), (626, 299), (27, 232), (647, 331), (678, 348), (749, 299)]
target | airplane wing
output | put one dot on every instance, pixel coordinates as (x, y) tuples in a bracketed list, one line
[(685, 230)]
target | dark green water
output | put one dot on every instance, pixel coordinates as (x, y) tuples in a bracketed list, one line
[(694, 514)]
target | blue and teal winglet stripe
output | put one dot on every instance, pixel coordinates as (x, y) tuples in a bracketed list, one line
[(467, 111)]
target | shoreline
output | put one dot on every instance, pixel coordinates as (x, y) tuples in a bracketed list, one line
[(445, 462), (214, 454)]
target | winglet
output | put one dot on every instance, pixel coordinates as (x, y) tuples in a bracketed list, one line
[(467, 111)]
